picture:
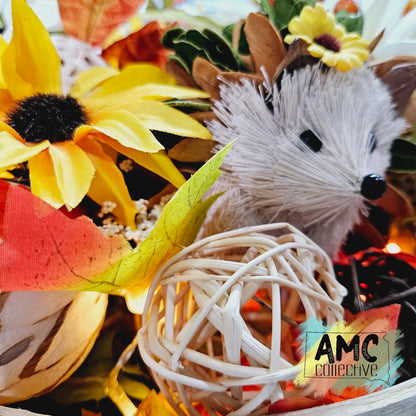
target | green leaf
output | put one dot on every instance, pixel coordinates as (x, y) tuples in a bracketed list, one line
[(88, 382), (187, 52), (188, 106), (221, 53), (194, 38), (267, 9), (178, 60), (228, 32), (177, 226), (170, 36), (284, 11), (403, 155), (243, 47), (133, 388), (79, 390), (352, 22), (134, 371), (206, 44)]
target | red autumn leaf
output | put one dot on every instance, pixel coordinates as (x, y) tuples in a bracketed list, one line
[(42, 249), (386, 316), (93, 20), (141, 46), (349, 392), (296, 403)]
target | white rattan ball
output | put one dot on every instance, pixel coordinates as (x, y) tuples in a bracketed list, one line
[(195, 331)]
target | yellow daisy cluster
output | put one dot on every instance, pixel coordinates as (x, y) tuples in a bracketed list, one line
[(116, 113), (328, 40)]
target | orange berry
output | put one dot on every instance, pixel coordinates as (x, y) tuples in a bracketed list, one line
[(347, 5)]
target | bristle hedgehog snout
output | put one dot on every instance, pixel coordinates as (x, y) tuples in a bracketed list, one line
[(310, 152)]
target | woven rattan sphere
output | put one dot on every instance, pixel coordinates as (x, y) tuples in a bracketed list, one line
[(201, 336)]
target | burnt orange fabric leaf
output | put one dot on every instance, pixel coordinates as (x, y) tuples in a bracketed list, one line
[(154, 405), (93, 20), (141, 46), (42, 249)]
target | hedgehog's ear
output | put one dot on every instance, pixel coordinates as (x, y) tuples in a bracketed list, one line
[(400, 78), (297, 57)]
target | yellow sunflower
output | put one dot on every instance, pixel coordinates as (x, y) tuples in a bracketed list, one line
[(71, 142), (327, 39)]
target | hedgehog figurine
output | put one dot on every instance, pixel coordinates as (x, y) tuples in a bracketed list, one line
[(310, 149)]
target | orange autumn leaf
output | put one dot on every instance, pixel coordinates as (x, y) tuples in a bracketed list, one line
[(141, 46), (93, 20), (350, 392), (154, 405), (42, 249)]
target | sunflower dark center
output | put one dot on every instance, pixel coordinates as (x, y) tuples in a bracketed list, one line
[(50, 117), (328, 42)]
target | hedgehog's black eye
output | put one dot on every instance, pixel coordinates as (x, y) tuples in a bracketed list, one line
[(372, 142), (311, 140)]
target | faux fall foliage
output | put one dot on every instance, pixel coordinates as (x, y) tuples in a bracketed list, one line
[(93, 20), (72, 253)]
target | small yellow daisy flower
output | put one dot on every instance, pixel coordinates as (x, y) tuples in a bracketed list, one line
[(70, 142), (327, 39)]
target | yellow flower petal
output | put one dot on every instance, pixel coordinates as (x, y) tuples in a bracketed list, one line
[(353, 60), (13, 151), (307, 15), (6, 101), (337, 31), (5, 127), (158, 163), (343, 65), (321, 14), (316, 27), (124, 127), (163, 92), (30, 64), (123, 98), (329, 58), (353, 37), (88, 80), (129, 78), (3, 47), (316, 50), (43, 180), (290, 38), (297, 26), (6, 175), (74, 171), (108, 183), (157, 116)]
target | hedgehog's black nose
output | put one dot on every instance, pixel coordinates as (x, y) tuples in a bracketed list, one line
[(373, 186)]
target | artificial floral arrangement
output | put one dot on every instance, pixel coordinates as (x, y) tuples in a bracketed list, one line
[(179, 204)]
